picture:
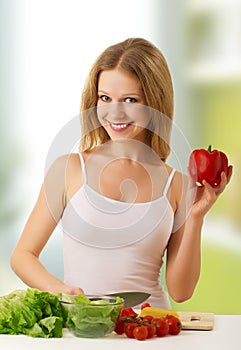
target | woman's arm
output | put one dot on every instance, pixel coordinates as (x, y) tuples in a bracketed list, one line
[(38, 229), (184, 247)]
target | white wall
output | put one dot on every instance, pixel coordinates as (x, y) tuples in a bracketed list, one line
[(47, 48)]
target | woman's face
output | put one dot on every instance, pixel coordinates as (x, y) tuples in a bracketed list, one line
[(121, 105)]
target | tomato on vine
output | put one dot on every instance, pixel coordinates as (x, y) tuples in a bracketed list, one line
[(129, 329), (151, 330), (140, 332), (147, 318), (175, 325), (145, 327), (119, 327), (162, 327)]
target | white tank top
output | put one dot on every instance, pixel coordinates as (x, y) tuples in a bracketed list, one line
[(112, 246)]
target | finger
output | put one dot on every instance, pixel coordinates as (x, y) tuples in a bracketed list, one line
[(206, 184), (223, 183), (210, 190), (230, 172), (75, 291), (79, 290)]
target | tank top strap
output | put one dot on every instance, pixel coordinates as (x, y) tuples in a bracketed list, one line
[(168, 183), (84, 176)]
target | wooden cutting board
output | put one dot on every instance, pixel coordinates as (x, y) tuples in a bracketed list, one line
[(197, 320)]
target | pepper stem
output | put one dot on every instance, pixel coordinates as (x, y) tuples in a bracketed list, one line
[(210, 148)]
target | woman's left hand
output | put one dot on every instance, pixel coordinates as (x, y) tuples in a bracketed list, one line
[(206, 195)]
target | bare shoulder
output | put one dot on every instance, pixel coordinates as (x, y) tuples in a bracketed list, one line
[(73, 162), (73, 174), (180, 181), (66, 167), (178, 186), (69, 163), (62, 164), (179, 178)]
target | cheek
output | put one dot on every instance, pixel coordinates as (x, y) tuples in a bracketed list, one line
[(102, 112), (141, 115), (144, 120)]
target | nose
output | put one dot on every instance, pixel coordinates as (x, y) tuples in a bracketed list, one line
[(116, 111), (113, 111)]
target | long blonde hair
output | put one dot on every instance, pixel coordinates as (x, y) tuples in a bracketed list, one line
[(141, 58)]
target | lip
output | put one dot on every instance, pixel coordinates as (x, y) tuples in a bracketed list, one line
[(119, 127)]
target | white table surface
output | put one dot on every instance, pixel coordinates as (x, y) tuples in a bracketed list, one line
[(226, 335)]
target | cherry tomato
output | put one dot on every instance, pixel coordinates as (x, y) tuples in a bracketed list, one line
[(174, 324), (140, 332), (167, 317), (119, 327), (145, 305), (151, 330), (128, 312), (148, 318), (129, 329), (162, 327)]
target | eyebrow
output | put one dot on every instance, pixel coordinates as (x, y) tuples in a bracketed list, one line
[(125, 94)]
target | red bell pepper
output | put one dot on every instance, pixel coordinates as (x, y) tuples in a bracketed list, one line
[(207, 165)]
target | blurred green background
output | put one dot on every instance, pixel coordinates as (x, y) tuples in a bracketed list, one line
[(42, 69)]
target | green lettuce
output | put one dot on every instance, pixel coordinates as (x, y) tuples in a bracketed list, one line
[(91, 318), (41, 314), (31, 312)]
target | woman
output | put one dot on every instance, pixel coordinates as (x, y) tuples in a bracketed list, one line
[(121, 206)]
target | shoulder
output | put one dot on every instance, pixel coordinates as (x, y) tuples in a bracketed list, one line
[(179, 179), (72, 164), (178, 187), (63, 163), (65, 175), (66, 167)]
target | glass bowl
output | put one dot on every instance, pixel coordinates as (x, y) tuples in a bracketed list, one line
[(93, 317)]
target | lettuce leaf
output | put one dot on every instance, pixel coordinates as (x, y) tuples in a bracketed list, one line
[(31, 312), (92, 318)]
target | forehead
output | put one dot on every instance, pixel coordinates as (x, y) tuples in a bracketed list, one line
[(118, 79)]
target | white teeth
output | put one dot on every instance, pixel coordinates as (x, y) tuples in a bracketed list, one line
[(118, 126)]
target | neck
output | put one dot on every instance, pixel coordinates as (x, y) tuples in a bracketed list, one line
[(131, 149)]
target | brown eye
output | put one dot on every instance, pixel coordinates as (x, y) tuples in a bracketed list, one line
[(130, 100), (104, 98)]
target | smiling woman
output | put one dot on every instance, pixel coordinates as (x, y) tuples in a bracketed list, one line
[(123, 231), (43, 67)]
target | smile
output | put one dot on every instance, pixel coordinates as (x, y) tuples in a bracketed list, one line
[(119, 126)]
